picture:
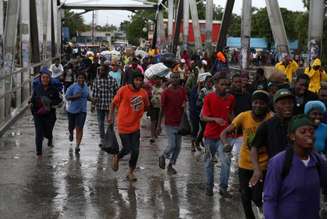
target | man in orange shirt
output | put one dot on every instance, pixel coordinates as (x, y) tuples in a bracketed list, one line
[(131, 102)]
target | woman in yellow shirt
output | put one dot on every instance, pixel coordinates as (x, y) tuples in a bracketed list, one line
[(316, 75)]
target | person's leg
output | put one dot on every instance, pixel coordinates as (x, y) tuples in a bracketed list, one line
[(200, 134), (194, 119), (125, 139), (177, 148), (246, 192), (38, 134), (52, 122), (79, 124), (170, 132), (101, 114), (71, 125), (225, 159), (167, 153), (134, 150), (211, 147)]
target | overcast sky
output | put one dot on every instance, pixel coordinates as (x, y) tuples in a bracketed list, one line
[(116, 17)]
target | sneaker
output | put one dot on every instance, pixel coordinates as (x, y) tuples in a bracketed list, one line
[(131, 177), (209, 191), (161, 162), (70, 138), (115, 162), (152, 140), (224, 193), (171, 170)]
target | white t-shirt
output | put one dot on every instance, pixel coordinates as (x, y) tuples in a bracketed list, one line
[(56, 70), (306, 162)]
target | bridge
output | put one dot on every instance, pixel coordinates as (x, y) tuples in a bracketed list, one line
[(31, 37)]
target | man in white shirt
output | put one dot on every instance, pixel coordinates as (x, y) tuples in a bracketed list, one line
[(56, 69)]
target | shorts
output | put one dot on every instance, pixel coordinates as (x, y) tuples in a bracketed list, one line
[(154, 114), (76, 120)]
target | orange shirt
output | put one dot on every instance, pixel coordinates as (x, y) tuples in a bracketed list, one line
[(131, 105)]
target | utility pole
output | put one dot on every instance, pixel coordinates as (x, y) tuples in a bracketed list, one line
[(277, 26), (93, 27), (245, 32), (209, 25), (316, 16), (185, 23)]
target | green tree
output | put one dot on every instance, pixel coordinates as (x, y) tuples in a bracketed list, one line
[(74, 22)]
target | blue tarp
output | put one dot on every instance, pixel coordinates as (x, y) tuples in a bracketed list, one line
[(234, 42), (257, 43)]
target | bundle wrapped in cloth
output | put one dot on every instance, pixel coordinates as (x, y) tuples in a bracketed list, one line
[(159, 70), (202, 76)]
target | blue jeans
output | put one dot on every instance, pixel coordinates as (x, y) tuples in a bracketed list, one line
[(101, 116), (216, 147), (172, 151)]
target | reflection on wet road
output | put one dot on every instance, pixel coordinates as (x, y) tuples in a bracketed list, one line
[(63, 185)]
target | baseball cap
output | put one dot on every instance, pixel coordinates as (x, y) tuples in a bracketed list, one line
[(282, 93)]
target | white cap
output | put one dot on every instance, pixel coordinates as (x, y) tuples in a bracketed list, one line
[(204, 62), (183, 61)]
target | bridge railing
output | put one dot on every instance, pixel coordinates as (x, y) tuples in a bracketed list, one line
[(17, 90)]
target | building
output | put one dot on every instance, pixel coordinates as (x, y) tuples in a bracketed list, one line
[(100, 37), (191, 37)]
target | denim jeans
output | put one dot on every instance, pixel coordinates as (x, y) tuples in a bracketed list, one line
[(101, 116), (173, 148), (216, 147)]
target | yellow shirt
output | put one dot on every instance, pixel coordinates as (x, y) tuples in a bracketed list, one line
[(248, 125), (289, 70), (315, 78)]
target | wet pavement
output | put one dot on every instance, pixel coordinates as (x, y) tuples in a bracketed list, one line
[(63, 185)]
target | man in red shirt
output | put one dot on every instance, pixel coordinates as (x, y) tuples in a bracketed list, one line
[(173, 101), (217, 113)]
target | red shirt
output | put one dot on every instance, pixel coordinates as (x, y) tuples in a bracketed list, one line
[(172, 102), (218, 107)]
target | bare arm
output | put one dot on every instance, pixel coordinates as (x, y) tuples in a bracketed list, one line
[(225, 132)]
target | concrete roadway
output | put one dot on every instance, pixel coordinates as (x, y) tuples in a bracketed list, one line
[(63, 185)]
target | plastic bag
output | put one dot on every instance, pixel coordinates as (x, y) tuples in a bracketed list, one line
[(158, 69), (184, 128), (111, 145)]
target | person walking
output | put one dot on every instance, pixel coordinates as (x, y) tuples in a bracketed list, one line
[(103, 91), (155, 101), (217, 113), (271, 135), (173, 103), (77, 95), (131, 101), (248, 122), (44, 97), (56, 69), (295, 176), (316, 75)]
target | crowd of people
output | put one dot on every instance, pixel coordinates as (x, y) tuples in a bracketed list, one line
[(277, 124)]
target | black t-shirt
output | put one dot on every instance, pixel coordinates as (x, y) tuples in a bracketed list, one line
[(271, 134), (301, 101), (243, 102)]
